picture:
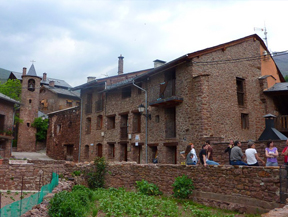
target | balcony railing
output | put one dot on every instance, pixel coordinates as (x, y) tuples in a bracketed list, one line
[(281, 123)]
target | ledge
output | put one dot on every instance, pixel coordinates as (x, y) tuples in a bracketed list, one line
[(168, 102)]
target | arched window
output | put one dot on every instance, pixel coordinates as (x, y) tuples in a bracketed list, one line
[(86, 152), (31, 85)]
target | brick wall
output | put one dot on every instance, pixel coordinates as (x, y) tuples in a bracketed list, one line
[(63, 134)]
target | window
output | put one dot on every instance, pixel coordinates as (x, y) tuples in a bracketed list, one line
[(99, 122), (88, 105), (111, 150), (244, 121), (69, 103), (58, 129), (88, 126), (30, 101), (136, 123), (110, 122), (99, 103), (31, 85), (157, 118), (240, 91), (28, 124), (126, 92), (170, 125)]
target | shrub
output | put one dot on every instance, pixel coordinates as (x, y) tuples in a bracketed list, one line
[(96, 175), (182, 187), (76, 173), (147, 188)]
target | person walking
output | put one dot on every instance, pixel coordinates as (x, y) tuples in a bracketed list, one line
[(271, 153), (237, 154), (252, 156)]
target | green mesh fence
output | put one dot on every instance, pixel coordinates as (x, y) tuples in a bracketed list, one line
[(22, 206)]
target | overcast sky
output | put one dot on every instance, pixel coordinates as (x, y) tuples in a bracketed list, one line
[(71, 40)]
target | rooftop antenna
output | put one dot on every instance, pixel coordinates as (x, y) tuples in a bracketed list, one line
[(106, 75), (265, 33)]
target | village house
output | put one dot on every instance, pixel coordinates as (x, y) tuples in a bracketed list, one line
[(7, 112), (63, 134), (213, 94)]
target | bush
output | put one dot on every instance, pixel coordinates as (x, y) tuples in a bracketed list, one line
[(147, 188), (72, 204), (76, 173), (183, 187), (96, 175)]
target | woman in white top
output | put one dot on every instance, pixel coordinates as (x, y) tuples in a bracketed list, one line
[(252, 156)]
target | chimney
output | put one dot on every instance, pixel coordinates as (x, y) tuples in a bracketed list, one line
[(158, 63), (44, 76), (90, 78), (270, 131), (120, 65), (51, 83), (24, 70)]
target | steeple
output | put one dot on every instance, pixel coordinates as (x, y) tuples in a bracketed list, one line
[(32, 71)]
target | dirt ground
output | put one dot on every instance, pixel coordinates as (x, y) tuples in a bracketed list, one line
[(10, 197)]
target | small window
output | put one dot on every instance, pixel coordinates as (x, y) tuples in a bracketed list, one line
[(244, 121), (126, 92), (157, 118), (30, 101), (240, 91), (28, 124), (58, 129), (110, 122), (70, 124), (99, 122), (88, 126), (69, 103)]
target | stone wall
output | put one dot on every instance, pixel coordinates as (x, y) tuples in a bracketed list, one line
[(244, 189)]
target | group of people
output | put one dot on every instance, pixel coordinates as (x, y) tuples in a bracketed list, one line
[(236, 156)]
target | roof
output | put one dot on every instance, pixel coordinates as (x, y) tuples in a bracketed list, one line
[(57, 82), (278, 87), (32, 71), (7, 98), (62, 110), (65, 92), (4, 75)]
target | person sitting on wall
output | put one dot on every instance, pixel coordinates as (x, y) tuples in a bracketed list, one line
[(237, 154), (228, 149), (271, 153), (203, 157), (252, 156), (209, 151), (285, 154), (191, 158)]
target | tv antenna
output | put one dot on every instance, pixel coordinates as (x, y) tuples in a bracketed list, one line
[(265, 33), (106, 75)]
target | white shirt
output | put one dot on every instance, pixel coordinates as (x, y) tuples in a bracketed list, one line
[(250, 154), (194, 158)]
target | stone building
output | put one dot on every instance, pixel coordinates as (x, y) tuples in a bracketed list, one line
[(63, 134), (213, 94), (7, 113)]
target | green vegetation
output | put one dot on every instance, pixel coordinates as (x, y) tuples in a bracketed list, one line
[(96, 176), (76, 173), (147, 188), (286, 78), (72, 204), (41, 126), (119, 202), (182, 187), (11, 88)]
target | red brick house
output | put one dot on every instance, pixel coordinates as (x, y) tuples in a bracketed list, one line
[(63, 134), (215, 94), (7, 112)]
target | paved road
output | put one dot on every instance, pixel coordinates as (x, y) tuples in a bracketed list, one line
[(31, 155)]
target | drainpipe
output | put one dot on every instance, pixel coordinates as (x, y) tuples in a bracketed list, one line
[(81, 109), (146, 121), (14, 111)]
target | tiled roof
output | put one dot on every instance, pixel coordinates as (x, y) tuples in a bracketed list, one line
[(64, 91), (283, 86), (4, 75), (7, 98)]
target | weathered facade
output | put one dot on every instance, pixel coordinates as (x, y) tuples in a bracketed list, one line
[(63, 134), (214, 94), (6, 124)]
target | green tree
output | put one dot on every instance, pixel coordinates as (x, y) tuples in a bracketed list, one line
[(41, 126), (286, 78), (11, 88)]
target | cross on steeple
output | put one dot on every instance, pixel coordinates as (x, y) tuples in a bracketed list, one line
[(32, 61)]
